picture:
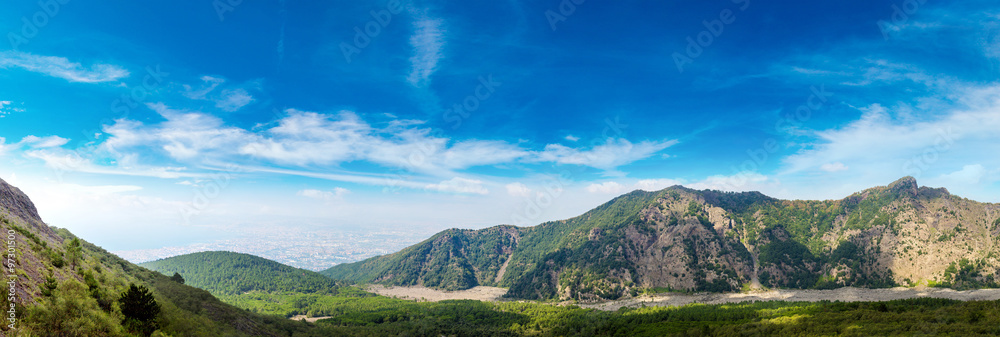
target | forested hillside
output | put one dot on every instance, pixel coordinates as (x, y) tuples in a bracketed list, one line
[(687, 240), (229, 273), (453, 259)]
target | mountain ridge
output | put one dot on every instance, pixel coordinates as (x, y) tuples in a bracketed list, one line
[(684, 239)]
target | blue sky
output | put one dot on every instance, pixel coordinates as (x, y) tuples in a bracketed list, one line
[(143, 125)]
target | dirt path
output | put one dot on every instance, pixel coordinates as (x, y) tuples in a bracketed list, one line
[(308, 319), (847, 294)]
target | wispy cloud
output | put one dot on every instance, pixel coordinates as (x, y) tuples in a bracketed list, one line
[(337, 193), (616, 188), (880, 138), (459, 185), (614, 153), (607, 187), (427, 41), (518, 190), (6, 108), (62, 67), (228, 99), (233, 99), (63, 161), (43, 142), (833, 167), (208, 84)]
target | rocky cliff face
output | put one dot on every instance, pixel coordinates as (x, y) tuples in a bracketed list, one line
[(682, 239), (15, 203)]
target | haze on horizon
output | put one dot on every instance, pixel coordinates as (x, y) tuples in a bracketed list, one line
[(167, 124)]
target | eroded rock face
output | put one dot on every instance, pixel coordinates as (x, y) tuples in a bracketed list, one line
[(691, 250), (17, 203)]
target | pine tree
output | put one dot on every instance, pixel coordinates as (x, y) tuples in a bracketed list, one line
[(140, 309), (74, 251), (177, 278)]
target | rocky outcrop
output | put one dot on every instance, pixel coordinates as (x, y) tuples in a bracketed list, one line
[(17, 203)]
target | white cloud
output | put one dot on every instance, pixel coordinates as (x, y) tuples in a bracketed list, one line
[(968, 175), (656, 184), (742, 181), (209, 83), (305, 138), (427, 41), (233, 99), (459, 185), (6, 108), (101, 190), (833, 167), (44, 142), (608, 187), (184, 135), (518, 190), (313, 140), (336, 194), (308, 138), (228, 99), (613, 153), (62, 68), (614, 187), (572, 138), (62, 161), (882, 147)]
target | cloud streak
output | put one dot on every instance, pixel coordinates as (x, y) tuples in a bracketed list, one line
[(427, 41), (61, 67)]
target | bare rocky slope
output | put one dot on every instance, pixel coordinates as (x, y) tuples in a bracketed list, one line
[(688, 240)]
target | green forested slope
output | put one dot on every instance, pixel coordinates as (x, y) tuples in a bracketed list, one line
[(228, 273), (452, 259), (460, 259)]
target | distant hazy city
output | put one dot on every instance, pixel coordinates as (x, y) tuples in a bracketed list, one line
[(313, 250)]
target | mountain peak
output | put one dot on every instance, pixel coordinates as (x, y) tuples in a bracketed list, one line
[(905, 182), (906, 185), (17, 203)]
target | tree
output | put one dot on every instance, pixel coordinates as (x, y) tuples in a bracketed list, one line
[(74, 251), (140, 309), (49, 285), (177, 278)]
